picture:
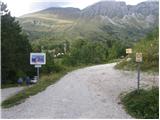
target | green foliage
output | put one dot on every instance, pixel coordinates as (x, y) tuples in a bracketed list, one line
[(117, 50), (85, 52), (150, 50), (50, 65), (15, 49), (93, 52), (143, 104), (20, 74), (149, 47)]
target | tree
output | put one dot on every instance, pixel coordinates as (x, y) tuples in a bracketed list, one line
[(15, 48)]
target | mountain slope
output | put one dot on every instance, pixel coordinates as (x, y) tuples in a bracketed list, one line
[(101, 21)]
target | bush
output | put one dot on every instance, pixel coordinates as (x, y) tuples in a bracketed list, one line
[(92, 52), (149, 47), (51, 66), (142, 104)]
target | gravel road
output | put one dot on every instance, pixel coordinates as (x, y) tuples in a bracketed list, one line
[(7, 92), (91, 92)]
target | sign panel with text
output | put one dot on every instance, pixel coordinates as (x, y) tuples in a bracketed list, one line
[(129, 51), (37, 58), (138, 57)]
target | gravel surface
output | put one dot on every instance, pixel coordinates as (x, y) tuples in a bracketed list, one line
[(91, 92), (7, 92)]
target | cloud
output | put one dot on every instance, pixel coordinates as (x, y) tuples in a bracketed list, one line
[(43, 5), (20, 7)]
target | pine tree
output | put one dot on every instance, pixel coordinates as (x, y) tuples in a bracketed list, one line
[(15, 48)]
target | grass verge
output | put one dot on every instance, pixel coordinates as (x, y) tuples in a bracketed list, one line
[(132, 65), (43, 83), (143, 104)]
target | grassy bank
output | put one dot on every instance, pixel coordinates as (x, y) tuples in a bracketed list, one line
[(143, 105), (43, 83)]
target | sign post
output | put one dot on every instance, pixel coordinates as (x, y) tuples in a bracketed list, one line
[(37, 59), (138, 76), (138, 60), (37, 66)]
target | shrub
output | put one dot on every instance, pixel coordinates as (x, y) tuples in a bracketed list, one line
[(149, 48), (142, 104)]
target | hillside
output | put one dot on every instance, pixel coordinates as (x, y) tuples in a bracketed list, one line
[(100, 21), (148, 46)]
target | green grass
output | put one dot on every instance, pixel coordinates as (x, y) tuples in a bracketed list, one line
[(132, 66), (8, 85), (44, 82), (126, 65), (143, 104), (114, 60)]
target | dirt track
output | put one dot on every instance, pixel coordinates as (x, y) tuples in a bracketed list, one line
[(91, 92)]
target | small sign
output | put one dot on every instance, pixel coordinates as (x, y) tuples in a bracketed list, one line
[(138, 57), (36, 66), (37, 58), (129, 51)]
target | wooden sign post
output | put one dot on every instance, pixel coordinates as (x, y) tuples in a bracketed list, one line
[(138, 60)]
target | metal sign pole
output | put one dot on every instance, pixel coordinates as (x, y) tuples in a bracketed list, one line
[(138, 60), (38, 73), (138, 75)]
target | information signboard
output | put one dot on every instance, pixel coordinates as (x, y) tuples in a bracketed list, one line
[(128, 51), (37, 58), (138, 57)]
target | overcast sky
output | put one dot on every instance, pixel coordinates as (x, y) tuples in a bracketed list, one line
[(21, 7)]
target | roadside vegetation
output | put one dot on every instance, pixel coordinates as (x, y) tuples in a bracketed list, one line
[(93, 52), (149, 46), (15, 48), (143, 104)]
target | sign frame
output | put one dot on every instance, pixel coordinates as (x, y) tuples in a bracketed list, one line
[(41, 57)]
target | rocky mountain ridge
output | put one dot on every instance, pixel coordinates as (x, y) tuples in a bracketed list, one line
[(101, 20)]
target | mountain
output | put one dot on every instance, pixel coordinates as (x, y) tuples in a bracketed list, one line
[(120, 9), (110, 9), (101, 21), (63, 13)]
